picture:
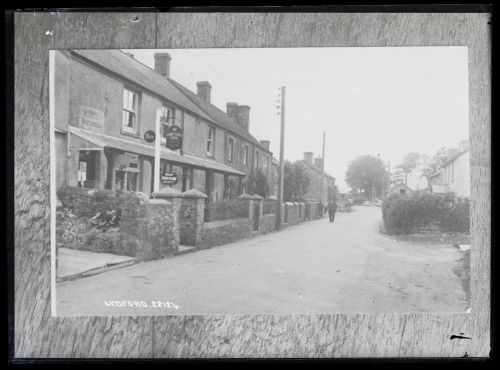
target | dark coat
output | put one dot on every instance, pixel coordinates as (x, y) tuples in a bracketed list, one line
[(332, 207)]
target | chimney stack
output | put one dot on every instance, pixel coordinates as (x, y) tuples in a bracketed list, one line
[(244, 116), (265, 143), (308, 157), (232, 111), (318, 162), (239, 113), (204, 90), (162, 64)]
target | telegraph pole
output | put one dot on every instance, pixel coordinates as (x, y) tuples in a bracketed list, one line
[(282, 160), (322, 170)]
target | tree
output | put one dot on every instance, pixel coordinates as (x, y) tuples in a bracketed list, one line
[(257, 183), (295, 181), (369, 174), (438, 160), (409, 163)]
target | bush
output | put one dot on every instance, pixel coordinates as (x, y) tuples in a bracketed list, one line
[(420, 212), (227, 210), (110, 241)]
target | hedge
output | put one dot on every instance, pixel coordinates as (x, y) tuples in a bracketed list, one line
[(422, 212)]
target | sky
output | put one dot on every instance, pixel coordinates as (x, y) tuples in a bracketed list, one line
[(384, 102)]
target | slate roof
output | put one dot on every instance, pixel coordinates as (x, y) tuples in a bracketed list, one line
[(454, 157), (219, 116), (117, 62)]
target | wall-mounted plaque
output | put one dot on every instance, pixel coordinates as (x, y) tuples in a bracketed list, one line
[(91, 118)]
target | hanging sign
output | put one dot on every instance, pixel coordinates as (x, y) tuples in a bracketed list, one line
[(149, 136), (174, 137), (169, 178)]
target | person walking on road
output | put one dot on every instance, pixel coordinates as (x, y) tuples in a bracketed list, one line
[(332, 208)]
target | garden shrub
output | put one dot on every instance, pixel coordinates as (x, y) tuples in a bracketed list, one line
[(422, 212)]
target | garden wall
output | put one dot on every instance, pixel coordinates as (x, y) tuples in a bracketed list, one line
[(267, 223), (292, 210), (224, 231), (146, 228), (312, 210)]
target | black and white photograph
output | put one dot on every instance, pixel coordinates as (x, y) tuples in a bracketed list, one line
[(319, 180), (306, 183)]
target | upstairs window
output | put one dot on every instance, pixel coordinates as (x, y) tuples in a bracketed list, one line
[(257, 160), (245, 155), (130, 107), (210, 141), (167, 119), (266, 168), (230, 149)]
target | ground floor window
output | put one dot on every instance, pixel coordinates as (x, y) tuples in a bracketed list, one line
[(125, 180)]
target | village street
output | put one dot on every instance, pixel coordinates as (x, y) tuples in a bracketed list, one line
[(313, 267)]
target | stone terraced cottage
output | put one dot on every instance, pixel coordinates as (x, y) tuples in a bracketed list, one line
[(105, 102)]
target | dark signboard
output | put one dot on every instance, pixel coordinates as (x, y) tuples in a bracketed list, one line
[(169, 178), (149, 136), (174, 137)]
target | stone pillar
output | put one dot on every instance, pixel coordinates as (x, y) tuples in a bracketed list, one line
[(191, 217), (159, 240), (249, 201), (175, 197)]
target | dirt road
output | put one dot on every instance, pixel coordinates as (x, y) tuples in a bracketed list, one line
[(313, 267)]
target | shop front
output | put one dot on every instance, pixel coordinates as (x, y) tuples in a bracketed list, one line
[(105, 162)]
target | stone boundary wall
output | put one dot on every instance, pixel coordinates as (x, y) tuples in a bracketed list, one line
[(312, 211), (224, 231), (267, 223), (292, 213), (147, 228)]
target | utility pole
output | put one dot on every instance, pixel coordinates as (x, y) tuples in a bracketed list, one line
[(322, 170), (282, 160)]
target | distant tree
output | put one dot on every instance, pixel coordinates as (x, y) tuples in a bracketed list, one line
[(409, 163), (367, 173), (437, 161), (295, 181), (258, 183)]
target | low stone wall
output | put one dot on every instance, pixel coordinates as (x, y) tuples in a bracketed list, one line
[(292, 213), (224, 232), (146, 228), (267, 223), (312, 210)]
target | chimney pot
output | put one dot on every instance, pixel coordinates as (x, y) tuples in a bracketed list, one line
[(162, 64), (204, 90), (308, 157)]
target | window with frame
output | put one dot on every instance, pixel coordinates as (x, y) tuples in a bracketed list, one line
[(210, 141), (257, 160), (167, 119), (267, 164), (245, 155), (230, 149), (130, 107)]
